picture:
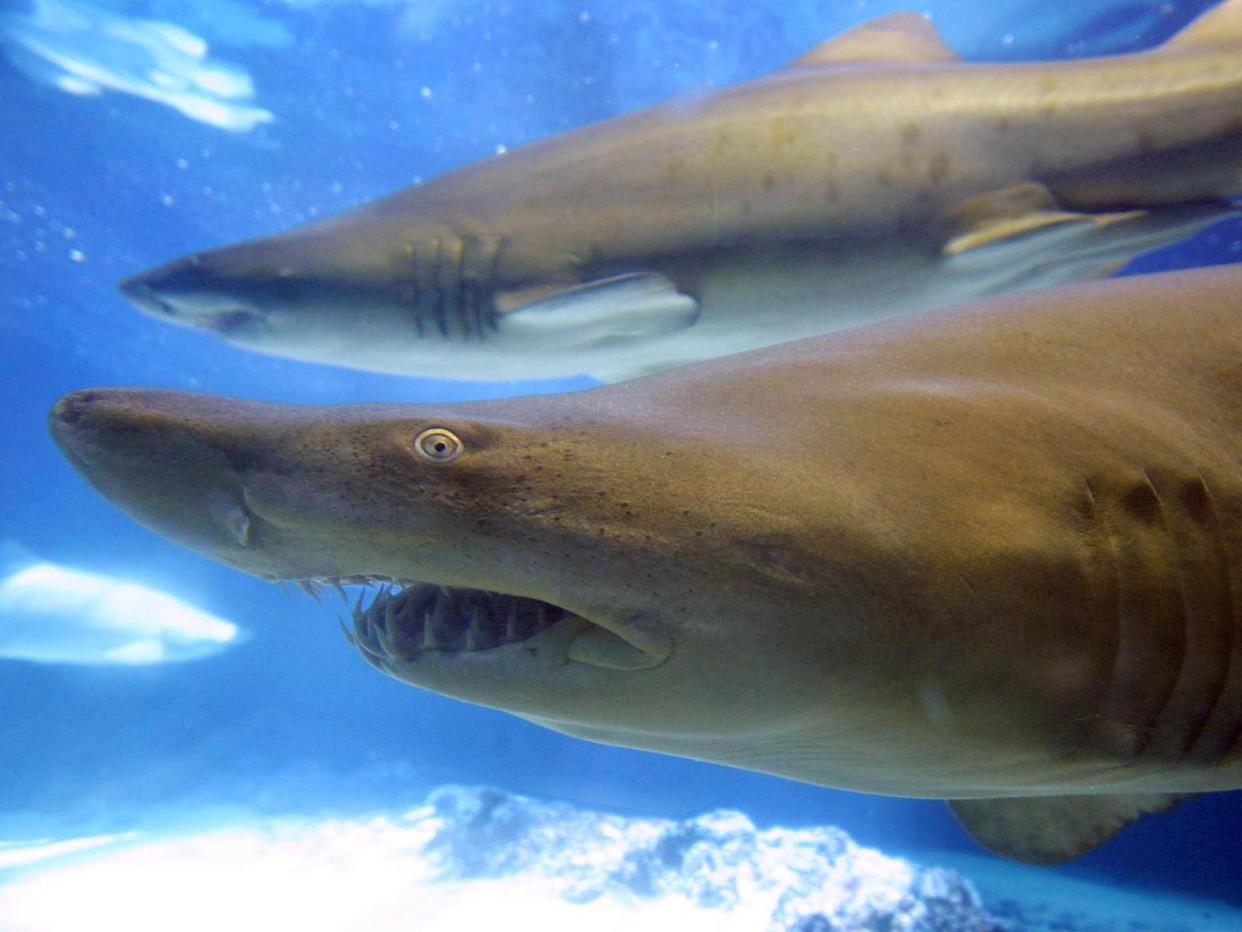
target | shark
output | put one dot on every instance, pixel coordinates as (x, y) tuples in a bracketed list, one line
[(988, 554), (56, 614), (877, 175)]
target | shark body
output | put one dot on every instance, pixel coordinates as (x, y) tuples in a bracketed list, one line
[(990, 554), (876, 176)]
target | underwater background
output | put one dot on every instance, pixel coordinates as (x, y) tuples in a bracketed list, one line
[(284, 112)]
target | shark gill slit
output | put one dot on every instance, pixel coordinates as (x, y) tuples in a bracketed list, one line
[(1194, 532), (1149, 615), (450, 284), (1219, 731), (1175, 596)]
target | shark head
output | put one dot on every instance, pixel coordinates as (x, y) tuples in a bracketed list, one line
[(535, 555), (410, 285)]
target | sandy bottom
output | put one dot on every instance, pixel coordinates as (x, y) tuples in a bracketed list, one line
[(315, 874), (309, 875), (1047, 900)]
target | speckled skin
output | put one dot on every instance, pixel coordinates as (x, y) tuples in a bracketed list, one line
[(990, 552), (789, 205)]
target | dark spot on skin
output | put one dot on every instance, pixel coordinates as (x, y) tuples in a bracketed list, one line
[(910, 133), (1003, 125), (939, 168), (769, 182), (884, 177), (1146, 141)]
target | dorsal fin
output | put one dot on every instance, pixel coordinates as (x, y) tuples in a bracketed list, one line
[(902, 37), (1221, 25)]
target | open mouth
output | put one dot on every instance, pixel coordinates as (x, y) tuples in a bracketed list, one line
[(233, 322), (406, 622)]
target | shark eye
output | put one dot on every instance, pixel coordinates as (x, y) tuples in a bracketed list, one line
[(438, 445)]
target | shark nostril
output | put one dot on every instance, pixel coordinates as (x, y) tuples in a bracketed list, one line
[(71, 408)]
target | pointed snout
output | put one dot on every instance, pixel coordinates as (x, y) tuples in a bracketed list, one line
[(195, 291), (164, 458)]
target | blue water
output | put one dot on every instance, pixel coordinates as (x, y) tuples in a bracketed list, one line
[(366, 98)]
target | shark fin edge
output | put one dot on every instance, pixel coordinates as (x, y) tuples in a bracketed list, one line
[(1051, 829), (1010, 213), (900, 37), (1221, 25), (634, 306)]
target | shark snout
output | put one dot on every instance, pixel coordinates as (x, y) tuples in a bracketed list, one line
[(196, 291), (160, 457)]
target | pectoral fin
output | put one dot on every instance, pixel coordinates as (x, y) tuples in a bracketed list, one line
[(1050, 829), (628, 307), (1011, 213), (901, 37)]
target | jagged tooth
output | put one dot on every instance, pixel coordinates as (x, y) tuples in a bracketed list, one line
[(511, 622), (446, 592), (390, 615), (345, 629), (358, 604), (340, 589), (440, 611), (430, 642)]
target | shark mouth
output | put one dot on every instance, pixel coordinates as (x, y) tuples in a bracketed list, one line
[(407, 622)]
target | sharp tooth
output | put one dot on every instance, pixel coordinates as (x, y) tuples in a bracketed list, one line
[(440, 613), (429, 635), (345, 629), (336, 584), (476, 636), (308, 586), (390, 615), (511, 623), (358, 604)]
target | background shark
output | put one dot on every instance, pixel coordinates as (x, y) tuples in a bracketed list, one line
[(877, 175), (57, 614)]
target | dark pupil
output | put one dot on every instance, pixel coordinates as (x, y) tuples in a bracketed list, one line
[(440, 446)]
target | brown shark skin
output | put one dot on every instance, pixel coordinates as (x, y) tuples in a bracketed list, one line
[(989, 552), (802, 165)]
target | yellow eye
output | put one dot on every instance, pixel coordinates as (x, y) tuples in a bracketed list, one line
[(438, 445)]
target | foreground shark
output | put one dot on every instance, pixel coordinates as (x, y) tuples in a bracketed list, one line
[(51, 613), (993, 555), (877, 175)]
